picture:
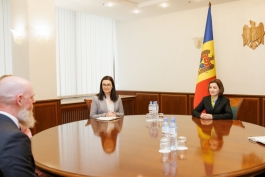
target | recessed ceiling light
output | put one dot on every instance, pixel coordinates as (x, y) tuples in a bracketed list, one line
[(136, 11), (164, 5), (110, 4)]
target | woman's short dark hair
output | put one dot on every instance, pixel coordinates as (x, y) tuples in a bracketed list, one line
[(113, 95), (219, 84)]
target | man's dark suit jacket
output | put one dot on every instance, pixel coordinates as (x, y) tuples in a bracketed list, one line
[(221, 109), (16, 158)]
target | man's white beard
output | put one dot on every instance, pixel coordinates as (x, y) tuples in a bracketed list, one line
[(26, 118)]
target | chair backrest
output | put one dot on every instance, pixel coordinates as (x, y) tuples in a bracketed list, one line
[(88, 103), (235, 106)]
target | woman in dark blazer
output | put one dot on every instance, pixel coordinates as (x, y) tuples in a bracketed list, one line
[(106, 103), (216, 105)]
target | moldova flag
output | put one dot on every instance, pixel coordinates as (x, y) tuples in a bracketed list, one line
[(207, 71)]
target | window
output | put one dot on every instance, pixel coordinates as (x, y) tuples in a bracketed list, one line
[(85, 51)]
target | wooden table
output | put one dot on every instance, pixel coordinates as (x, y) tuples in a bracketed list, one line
[(129, 148)]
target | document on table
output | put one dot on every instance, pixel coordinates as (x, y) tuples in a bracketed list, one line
[(107, 118), (257, 139)]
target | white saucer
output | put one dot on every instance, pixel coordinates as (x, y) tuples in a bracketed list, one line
[(164, 151), (182, 148)]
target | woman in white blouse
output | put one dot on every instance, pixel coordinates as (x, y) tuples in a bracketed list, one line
[(106, 103)]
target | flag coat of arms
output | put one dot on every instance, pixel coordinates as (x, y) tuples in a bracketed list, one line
[(207, 68)]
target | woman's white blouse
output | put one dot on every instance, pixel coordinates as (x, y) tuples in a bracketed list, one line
[(110, 106)]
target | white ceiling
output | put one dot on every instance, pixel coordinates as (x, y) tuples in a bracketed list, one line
[(123, 10)]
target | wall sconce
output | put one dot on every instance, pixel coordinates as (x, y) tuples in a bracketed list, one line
[(18, 36), (43, 36), (198, 42)]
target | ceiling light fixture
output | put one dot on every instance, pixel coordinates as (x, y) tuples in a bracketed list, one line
[(110, 4), (151, 2), (136, 11), (126, 2), (141, 4), (164, 5)]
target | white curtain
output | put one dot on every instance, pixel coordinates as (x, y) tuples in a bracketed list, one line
[(5, 39), (85, 51)]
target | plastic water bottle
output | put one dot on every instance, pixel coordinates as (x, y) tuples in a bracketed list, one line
[(165, 128), (150, 107), (165, 141), (155, 110), (173, 133), (156, 107)]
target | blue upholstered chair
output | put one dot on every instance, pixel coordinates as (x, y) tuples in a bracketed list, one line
[(235, 106)]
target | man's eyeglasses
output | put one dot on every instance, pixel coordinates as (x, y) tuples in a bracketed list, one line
[(106, 85)]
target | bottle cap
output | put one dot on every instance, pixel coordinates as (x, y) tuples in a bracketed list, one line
[(165, 119)]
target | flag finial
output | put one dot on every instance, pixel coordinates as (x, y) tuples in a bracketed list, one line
[(209, 4)]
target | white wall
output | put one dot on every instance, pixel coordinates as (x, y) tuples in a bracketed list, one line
[(33, 60), (20, 53), (158, 54)]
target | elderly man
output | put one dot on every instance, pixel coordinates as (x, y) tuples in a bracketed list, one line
[(16, 107)]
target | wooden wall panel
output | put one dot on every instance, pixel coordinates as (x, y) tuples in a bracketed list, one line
[(250, 111), (128, 105), (143, 100), (47, 114), (190, 104), (263, 112), (173, 104), (126, 92)]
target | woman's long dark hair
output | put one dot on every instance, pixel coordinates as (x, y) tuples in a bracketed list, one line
[(113, 95)]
